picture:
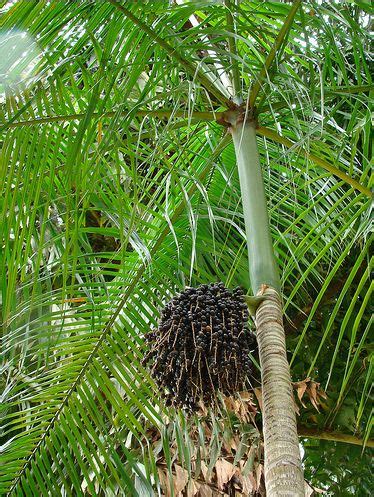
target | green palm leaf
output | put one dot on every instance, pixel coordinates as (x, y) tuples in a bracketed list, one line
[(110, 204)]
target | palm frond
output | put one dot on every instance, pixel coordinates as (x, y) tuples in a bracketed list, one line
[(108, 210)]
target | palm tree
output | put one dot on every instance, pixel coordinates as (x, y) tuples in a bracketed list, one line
[(121, 187)]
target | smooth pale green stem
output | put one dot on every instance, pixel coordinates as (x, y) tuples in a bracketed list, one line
[(262, 265)]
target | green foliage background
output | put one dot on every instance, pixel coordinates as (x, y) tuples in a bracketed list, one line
[(107, 212)]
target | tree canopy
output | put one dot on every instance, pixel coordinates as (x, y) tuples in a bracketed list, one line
[(120, 188)]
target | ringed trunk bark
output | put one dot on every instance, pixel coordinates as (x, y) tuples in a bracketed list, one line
[(283, 469)]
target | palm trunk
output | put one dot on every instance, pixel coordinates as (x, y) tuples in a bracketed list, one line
[(283, 469)]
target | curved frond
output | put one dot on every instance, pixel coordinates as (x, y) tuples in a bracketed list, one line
[(119, 188)]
